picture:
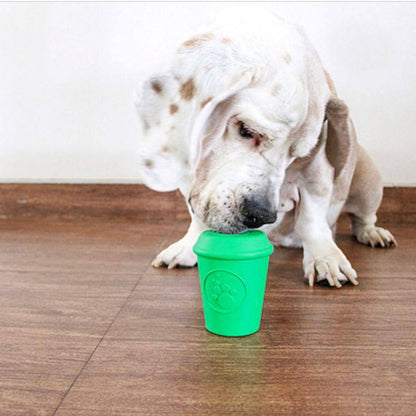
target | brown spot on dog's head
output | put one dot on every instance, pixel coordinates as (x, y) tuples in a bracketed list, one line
[(165, 149), (226, 40), (205, 102), (188, 90), (173, 108), (149, 163), (198, 40), (157, 87), (287, 58), (190, 43)]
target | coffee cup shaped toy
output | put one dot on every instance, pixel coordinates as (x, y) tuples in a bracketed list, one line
[(233, 272)]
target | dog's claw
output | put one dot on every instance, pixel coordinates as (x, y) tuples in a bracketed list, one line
[(174, 263), (156, 263), (376, 237), (309, 278)]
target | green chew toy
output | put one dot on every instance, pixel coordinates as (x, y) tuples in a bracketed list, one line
[(233, 272)]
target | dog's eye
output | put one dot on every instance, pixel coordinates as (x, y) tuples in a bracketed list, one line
[(244, 131)]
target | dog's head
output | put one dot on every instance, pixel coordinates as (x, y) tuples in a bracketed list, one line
[(225, 131), (243, 145)]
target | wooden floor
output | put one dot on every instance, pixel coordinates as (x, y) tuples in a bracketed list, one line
[(87, 327)]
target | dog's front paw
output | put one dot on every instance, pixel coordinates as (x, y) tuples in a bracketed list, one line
[(329, 265), (376, 237), (178, 254)]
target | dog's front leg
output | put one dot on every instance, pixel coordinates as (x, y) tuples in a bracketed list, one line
[(322, 258), (180, 254)]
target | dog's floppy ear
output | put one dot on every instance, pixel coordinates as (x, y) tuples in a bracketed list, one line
[(213, 118), (151, 97), (341, 138)]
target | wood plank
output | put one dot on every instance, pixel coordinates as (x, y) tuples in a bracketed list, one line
[(398, 206), (79, 246), (319, 351), (84, 318), (75, 202), (61, 286), (50, 323)]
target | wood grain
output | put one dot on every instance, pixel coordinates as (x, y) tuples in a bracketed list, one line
[(319, 351), (398, 206), (70, 202), (61, 286), (88, 328)]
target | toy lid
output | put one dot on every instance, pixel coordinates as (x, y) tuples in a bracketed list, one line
[(249, 244)]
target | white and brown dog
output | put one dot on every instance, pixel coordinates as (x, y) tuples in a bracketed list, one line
[(248, 125)]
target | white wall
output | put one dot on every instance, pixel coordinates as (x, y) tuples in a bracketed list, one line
[(67, 71)]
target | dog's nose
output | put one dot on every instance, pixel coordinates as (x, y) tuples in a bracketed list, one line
[(257, 212)]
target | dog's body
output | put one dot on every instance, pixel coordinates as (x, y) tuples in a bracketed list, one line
[(247, 124)]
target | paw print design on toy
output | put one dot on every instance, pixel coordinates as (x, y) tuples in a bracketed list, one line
[(224, 291)]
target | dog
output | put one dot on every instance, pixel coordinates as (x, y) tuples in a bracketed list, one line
[(247, 124)]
